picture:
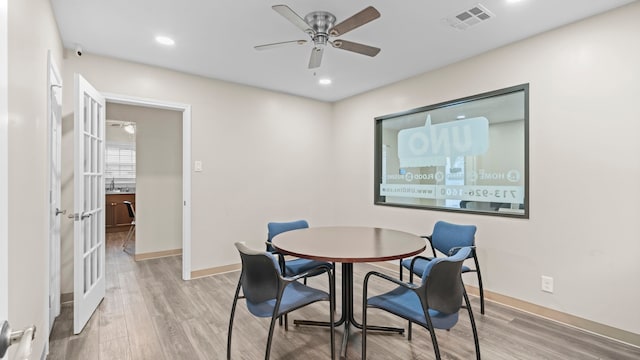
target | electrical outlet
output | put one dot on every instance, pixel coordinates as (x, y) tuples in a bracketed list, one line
[(547, 284)]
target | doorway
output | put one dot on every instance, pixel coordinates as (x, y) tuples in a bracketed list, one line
[(144, 168), (185, 110), (185, 204)]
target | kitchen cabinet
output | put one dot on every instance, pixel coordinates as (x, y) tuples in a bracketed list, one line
[(116, 215)]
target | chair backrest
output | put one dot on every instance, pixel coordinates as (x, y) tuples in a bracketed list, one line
[(132, 213), (276, 228), (260, 275), (446, 236), (442, 277)]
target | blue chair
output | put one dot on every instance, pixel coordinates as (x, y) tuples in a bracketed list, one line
[(270, 294), (434, 304), (295, 266), (446, 238)]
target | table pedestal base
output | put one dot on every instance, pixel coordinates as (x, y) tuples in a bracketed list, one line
[(347, 312)]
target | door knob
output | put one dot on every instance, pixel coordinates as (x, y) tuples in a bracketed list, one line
[(58, 212), (77, 216), (8, 337)]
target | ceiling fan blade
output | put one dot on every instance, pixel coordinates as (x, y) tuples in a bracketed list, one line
[(355, 47), (316, 57), (367, 15), (279, 44), (294, 18)]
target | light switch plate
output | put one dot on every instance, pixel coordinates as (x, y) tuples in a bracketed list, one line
[(547, 284), (197, 166)]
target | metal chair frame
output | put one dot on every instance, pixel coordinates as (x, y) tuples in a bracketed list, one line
[(436, 292), (475, 270), (293, 225), (281, 282), (132, 228)]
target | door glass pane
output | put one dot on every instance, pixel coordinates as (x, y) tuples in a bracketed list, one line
[(87, 273), (94, 118), (87, 236), (99, 262), (87, 192), (96, 229), (94, 263), (100, 157), (87, 113), (96, 193), (87, 151), (99, 129), (94, 155)]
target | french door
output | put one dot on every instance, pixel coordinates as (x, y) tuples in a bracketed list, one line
[(89, 211)]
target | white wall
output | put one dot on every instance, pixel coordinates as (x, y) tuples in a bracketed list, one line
[(265, 155), (584, 169), (158, 175), (32, 31)]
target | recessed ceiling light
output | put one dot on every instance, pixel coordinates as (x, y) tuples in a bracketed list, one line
[(164, 40), (324, 81)]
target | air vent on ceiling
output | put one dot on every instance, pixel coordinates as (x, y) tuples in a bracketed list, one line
[(467, 18)]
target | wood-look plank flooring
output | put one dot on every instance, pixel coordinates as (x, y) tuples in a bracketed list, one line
[(150, 313)]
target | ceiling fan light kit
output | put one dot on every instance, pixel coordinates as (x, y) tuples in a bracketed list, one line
[(320, 27)]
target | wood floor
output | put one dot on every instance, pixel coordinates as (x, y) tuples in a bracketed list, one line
[(150, 313)]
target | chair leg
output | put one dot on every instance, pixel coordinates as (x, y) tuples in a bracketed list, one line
[(473, 325), (126, 238), (400, 261), (436, 349), (130, 233), (271, 326), (332, 290), (364, 328), (333, 285), (233, 312), (481, 291), (409, 331), (365, 303), (282, 318), (477, 271), (432, 330), (434, 341), (332, 306)]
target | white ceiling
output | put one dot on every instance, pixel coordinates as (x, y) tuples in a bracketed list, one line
[(215, 38)]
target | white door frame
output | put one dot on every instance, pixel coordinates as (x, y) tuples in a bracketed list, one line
[(186, 165), (4, 160), (54, 83)]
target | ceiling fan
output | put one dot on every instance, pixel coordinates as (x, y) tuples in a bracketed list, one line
[(320, 26)]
